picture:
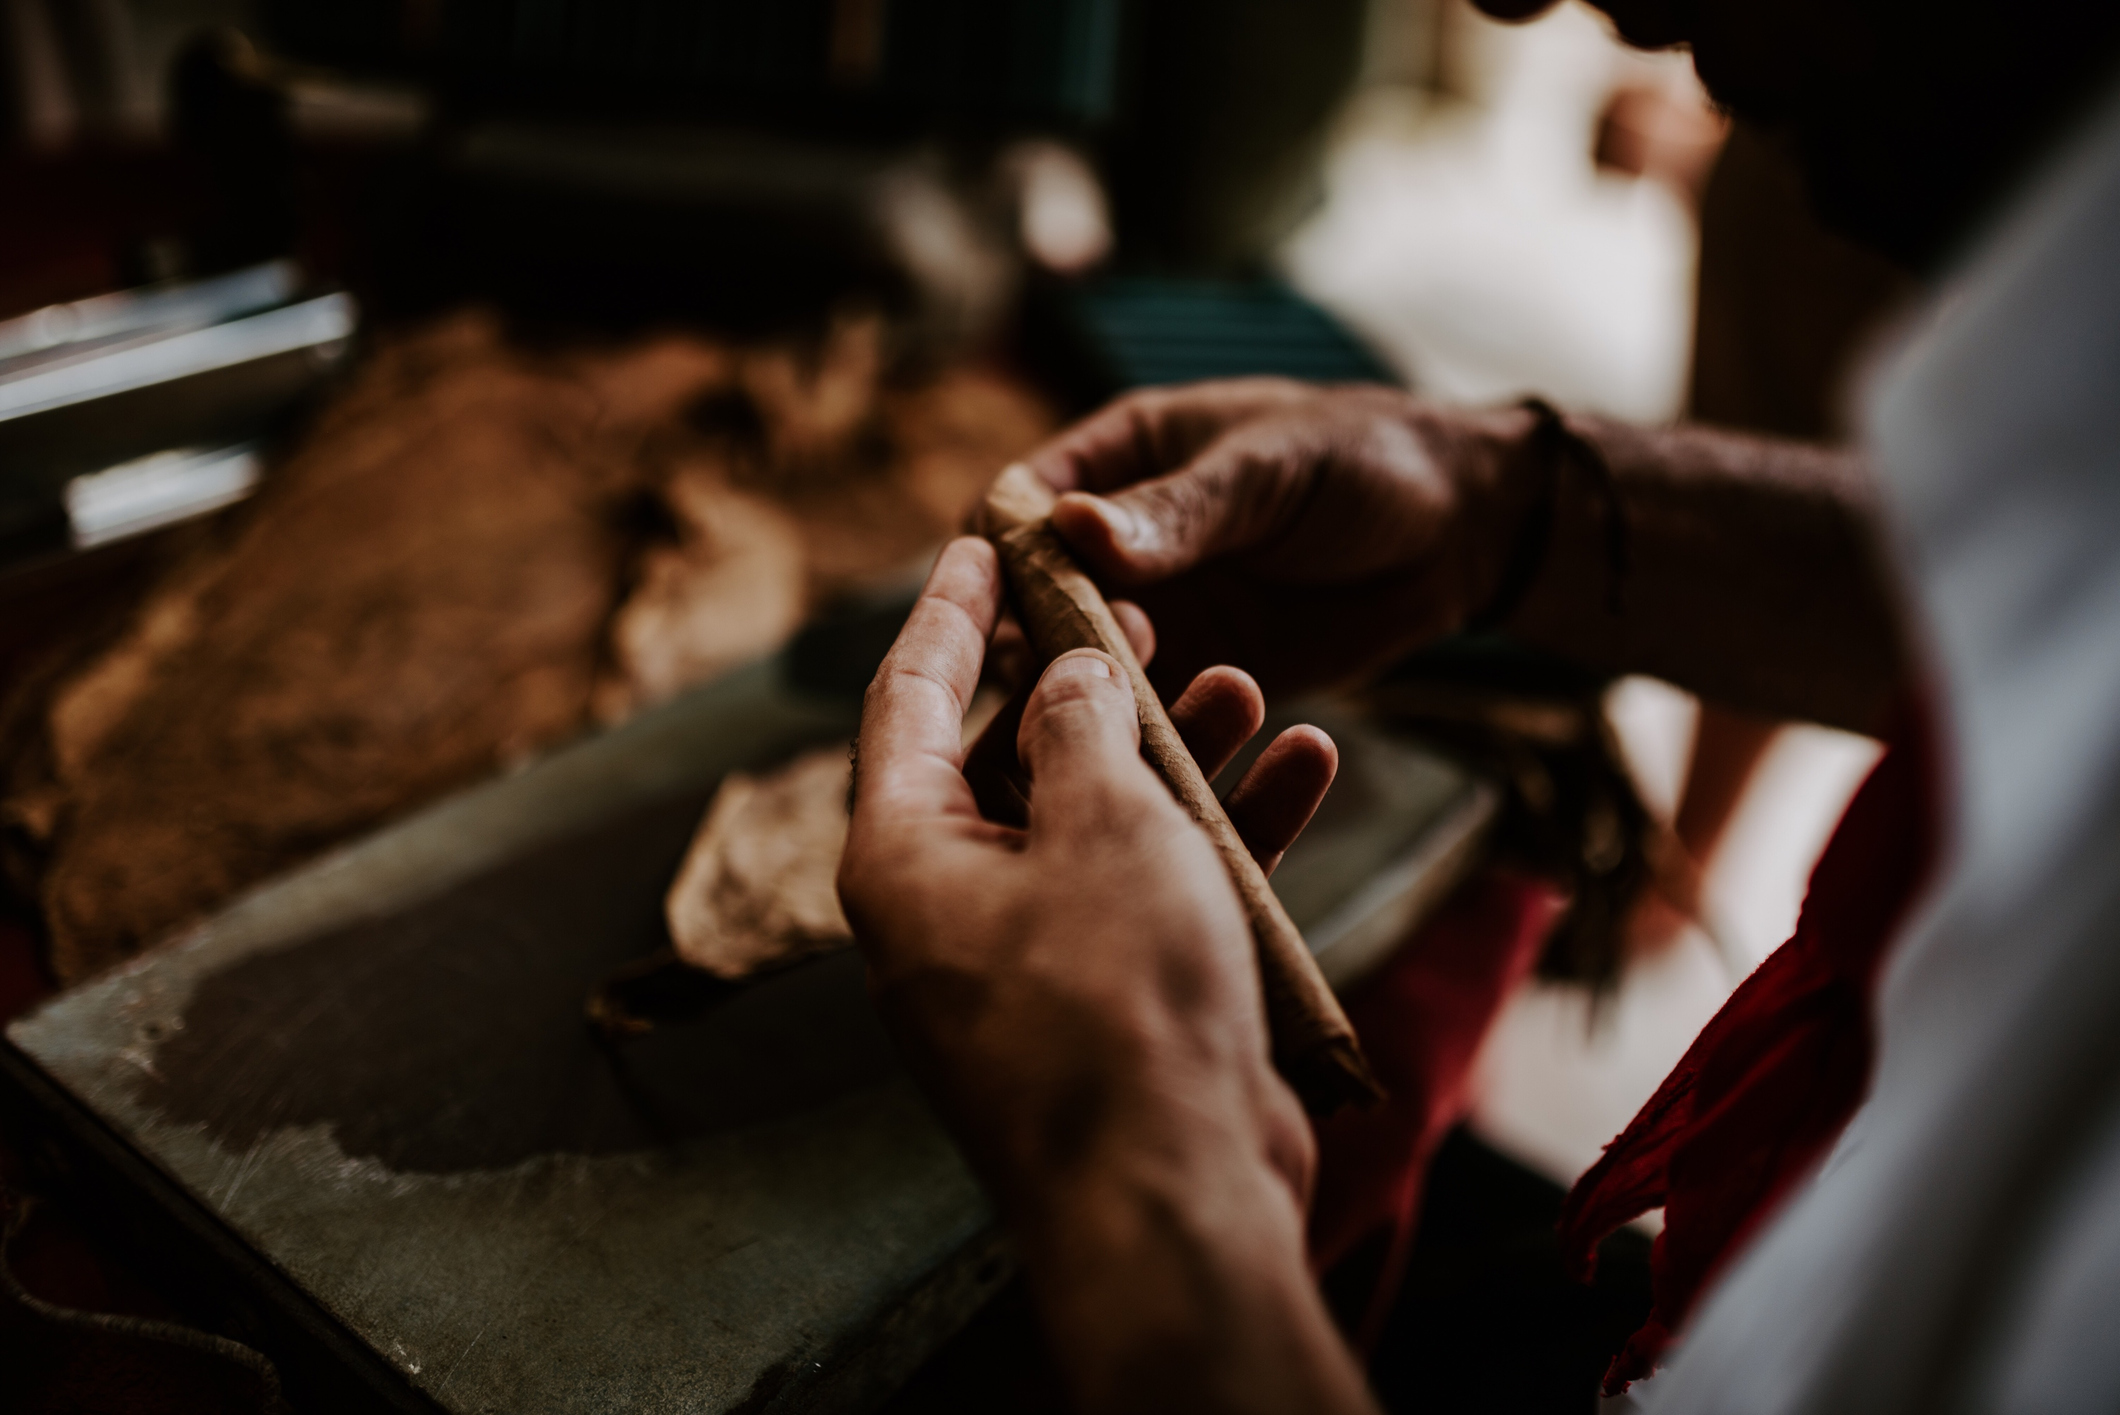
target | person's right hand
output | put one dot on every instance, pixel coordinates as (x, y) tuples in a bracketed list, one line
[(1079, 995), (1306, 534)]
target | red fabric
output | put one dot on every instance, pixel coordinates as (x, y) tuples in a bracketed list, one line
[(1768, 1085), (1421, 1021)]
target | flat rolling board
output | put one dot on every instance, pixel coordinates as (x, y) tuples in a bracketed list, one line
[(364, 1095)]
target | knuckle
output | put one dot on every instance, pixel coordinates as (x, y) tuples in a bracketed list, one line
[(1061, 713), (1065, 694), (1184, 505)]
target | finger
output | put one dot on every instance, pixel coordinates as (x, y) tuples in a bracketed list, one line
[(1129, 439), (1216, 715), (1146, 433), (1281, 792), (1140, 632), (998, 780), (1232, 496), (912, 720), (1081, 744)]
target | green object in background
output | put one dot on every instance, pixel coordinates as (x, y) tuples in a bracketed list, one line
[(1135, 332), (839, 64)]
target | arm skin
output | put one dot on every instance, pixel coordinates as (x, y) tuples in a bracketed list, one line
[(1078, 995), (1756, 580), (1312, 535)]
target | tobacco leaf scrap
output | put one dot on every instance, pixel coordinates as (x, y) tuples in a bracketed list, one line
[(758, 885)]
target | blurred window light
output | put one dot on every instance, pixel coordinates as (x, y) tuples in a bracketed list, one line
[(156, 491), (322, 324), (1064, 220), (176, 305)]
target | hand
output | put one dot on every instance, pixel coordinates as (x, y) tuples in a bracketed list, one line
[(1078, 994), (1306, 534), (1101, 865)]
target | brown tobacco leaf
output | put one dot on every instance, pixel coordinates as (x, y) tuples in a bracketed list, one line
[(418, 599), (810, 475), (758, 885), (731, 588)]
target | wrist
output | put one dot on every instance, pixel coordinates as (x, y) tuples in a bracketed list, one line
[(1560, 486), (1145, 1103), (1172, 1275), (1519, 527), (1500, 466)]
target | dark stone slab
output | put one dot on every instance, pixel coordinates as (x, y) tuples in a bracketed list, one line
[(374, 1077)]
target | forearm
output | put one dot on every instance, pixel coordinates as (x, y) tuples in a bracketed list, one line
[(1171, 1275), (1752, 573)]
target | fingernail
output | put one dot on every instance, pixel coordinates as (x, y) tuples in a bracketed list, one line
[(1080, 664), (1127, 529)]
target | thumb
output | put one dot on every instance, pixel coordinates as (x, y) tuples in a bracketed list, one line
[(1080, 740), (1232, 496)]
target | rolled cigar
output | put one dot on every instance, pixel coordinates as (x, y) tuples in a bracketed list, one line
[(1062, 609)]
